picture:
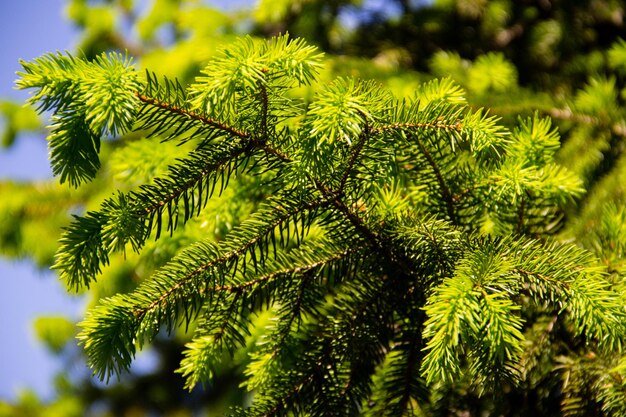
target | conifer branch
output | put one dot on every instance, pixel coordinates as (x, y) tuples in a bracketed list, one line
[(355, 220), (535, 347), (281, 156), (410, 371), (260, 143), (152, 200), (385, 249), (224, 261), (295, 311), (88, 100), (445, 191), (279, 403), (354, 155), (520, 215), (457, 127), (276, 275), (264, 111), (133, 217), (192, 115)]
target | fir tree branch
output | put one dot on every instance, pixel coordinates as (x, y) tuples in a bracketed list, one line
[(400, 127), (520, 215), (375, 241), (536, 346), (264, 111), (354, 155), (276, 275), (192, 115), (363, 285), (133, 217), (260, 143), (334, 196), (279, 403), (411, 370), (88, 100), (178, 291), (399, 381), (270, 150), (151, 199), (295, 310), (445, 191), (354, 219), (333, 339), (280, 279), (240, 248)]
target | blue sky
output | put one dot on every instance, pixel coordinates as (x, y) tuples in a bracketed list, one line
[(28, 28)]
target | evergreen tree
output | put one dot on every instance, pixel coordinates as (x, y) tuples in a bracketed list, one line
[(391, 256), (561, 374), (551, 43)]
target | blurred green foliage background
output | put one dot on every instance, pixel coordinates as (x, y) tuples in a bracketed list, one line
[(564, 59)]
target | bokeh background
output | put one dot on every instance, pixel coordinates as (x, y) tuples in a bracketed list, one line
[(28, 29), (564, 59)]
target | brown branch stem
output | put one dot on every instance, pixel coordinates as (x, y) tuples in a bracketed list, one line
[(420, 126), (520, 215), (354, 156), (445, 191), (192, 115)]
